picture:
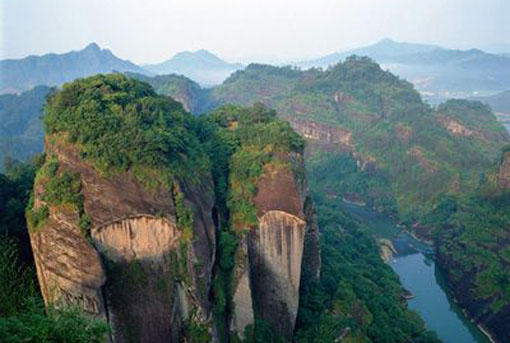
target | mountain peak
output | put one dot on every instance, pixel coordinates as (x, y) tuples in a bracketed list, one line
[(201, 66), (387, 41), (93, 47)]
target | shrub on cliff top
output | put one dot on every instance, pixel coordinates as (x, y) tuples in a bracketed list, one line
[(250, 138), (121, 123)]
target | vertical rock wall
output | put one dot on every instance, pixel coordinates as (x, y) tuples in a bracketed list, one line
[(133, 268), (270, 256)]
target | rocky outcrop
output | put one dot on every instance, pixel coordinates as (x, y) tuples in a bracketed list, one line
[(455, 127), (504, 171), (134, 266), (323, 134), (271, 254), (68, 267), (420, 154)]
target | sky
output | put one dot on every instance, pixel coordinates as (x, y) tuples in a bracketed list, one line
[(150, 31)]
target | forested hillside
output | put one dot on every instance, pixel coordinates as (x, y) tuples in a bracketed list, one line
[(412, 152), (21, 134)]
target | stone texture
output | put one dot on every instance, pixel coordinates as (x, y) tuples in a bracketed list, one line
[(269, 259), (138, 238), (68, 267), (275, 254), (128, 275), (324, 134)]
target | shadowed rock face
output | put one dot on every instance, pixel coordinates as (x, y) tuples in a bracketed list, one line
[(134, 270), (267, 277), (504, 172), (68, 266), (275, 252)]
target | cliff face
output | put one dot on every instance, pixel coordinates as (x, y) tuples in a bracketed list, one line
[(504, 171), (324, 134), (136, 268), (270, 257), (132, 196)]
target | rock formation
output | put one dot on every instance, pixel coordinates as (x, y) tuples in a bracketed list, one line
[(136, 269), (128, 206), (271, 254)]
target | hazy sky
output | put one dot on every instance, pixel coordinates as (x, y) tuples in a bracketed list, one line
[(153, 30)]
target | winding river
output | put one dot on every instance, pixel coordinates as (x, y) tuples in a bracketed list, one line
[(420, 275)]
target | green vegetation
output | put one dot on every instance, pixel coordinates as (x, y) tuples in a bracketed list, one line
[(179, 87), (499, 102), (416, 158), (120, 123), (184, 216), (358, 297), (21, 134), (473, 234), (15, 195), (60, 188), (240, 143)]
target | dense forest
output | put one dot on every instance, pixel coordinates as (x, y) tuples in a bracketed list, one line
[(21, 134)]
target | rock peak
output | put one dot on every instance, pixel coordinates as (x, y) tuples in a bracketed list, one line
[(93, 47)]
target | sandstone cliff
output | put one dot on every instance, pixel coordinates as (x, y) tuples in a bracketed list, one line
[(134, 266), (271, 255), (134, 195)]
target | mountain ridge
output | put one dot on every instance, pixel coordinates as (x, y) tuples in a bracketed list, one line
[(201, 66), (55, 69), (437, 72)]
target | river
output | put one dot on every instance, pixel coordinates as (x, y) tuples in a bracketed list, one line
[(420, 275)]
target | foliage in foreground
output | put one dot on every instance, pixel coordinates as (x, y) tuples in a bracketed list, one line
[(23, 317)]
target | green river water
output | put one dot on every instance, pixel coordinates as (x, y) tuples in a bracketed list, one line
[(419, 274)]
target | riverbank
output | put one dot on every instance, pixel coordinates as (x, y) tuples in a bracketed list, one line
[(419, 274)]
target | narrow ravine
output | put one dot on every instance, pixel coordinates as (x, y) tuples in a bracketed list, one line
[(420, 275)]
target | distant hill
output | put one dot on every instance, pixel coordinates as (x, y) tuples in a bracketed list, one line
[(21, 134), (499, 102), (438, 73), (201, 66), (383, 50), (186, 91), (18, 75), (362, 109)]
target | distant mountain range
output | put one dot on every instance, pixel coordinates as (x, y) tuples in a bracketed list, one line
[(201, 66), (438, 73), (18, 75), (384, 50)]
